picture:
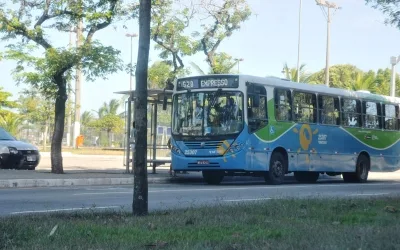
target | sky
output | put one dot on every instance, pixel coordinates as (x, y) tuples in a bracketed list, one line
[(266, 41)]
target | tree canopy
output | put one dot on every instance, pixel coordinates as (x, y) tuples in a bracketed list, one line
[(27, 26), (389, 7)]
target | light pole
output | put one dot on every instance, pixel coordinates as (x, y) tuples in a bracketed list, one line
[(131, 35), (238, 60), (298, 45), (393, 61), (329, 5)]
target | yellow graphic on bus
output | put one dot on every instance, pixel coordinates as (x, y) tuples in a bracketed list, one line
[(305, 138), (221, 149)]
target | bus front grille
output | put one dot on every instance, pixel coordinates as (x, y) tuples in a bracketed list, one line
[(204, 145)]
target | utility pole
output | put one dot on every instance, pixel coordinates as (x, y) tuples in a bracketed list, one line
[(329, 5), (131, 35), (69, 120), (238, 60), (393, 61), (77, 124), (298, 45)]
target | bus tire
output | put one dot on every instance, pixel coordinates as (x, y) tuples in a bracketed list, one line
[(277, 169), (306, 177), (213, 177), (362, 170)]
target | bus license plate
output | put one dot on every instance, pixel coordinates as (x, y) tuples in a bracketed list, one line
[(202, 162), (31, 158)]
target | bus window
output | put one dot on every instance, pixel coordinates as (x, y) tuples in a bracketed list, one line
[(283, 101), (351, 113), (328, 110), (390, 117), (257, 114), (371, 115), (304, 107)]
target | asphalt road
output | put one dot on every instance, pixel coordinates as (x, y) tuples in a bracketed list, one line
[(180, 195)]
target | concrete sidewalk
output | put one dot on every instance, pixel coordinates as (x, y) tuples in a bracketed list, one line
[(87, 170), (43, 178)]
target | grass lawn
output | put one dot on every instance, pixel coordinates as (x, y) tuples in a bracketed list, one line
[(274, 224)]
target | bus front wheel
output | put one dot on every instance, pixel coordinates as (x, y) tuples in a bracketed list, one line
[(362, 170), (213, 177), (277, 169)]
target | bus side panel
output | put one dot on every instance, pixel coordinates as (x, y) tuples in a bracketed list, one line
[(257, 147), (333, 148)]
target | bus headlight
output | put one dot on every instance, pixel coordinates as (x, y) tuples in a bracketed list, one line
[(176, 150), (236, 147)]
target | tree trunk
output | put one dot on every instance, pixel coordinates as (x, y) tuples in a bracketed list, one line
[(109, 138), (59, 122), (140, 187)]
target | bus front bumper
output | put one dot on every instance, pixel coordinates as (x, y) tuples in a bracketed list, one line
[(225, 163)]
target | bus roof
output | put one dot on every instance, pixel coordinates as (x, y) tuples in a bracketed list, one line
[(319, 88)]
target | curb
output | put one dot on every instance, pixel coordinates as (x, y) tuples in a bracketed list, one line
[(29, 183)]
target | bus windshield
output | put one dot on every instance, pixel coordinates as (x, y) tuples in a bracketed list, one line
[(208, 113)]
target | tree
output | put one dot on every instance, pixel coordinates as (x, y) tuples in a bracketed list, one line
[(159, 73), (11, 122), (140, 186), (291, 73), (224, 64), (168, 32), (389, 7), (86, 118), (339, 75), (45, 66), (111, 123), (37, 108), (362, 81), (226, 19), (5, 102)]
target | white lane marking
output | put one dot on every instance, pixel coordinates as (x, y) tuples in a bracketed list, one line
[(247, 188), (367, 194), (63, 209), (256, 199), (125, 192)]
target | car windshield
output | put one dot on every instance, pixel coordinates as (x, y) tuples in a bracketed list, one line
[(4, 136), (208, 113)]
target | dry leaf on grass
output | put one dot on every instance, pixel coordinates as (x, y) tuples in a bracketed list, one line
[(390, 209), (53, 230), (151, 226), (157, 244)]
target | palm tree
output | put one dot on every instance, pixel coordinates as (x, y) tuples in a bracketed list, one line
[(10, 122), (291, 73), (362, 82), (86, 118)]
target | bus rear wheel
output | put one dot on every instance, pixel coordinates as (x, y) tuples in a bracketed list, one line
[(306, 177), (277, 169), (362, 170), (213, 177)]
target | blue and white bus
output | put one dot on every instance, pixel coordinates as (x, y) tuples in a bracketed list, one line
[(246, 125)]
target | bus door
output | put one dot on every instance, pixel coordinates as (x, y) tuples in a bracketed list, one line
[(257, 116)]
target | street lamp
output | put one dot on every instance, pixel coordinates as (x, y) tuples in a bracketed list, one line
[(131, 35), (238, 60), (393, 61), (298, 46), (329, 5)]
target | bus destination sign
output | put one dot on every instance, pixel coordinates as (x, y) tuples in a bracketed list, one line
[(206, 83)]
